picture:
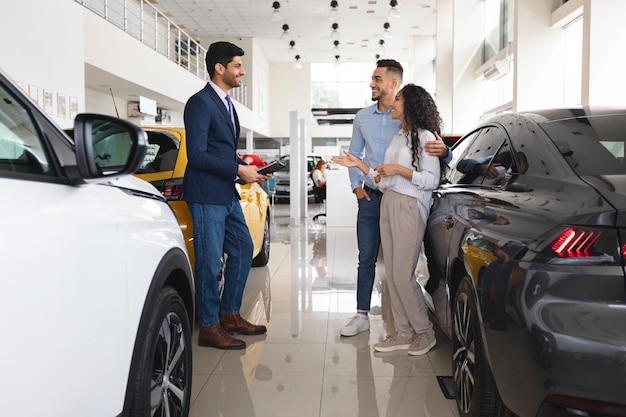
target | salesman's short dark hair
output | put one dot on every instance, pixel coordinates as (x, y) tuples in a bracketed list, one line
[(221, 52)]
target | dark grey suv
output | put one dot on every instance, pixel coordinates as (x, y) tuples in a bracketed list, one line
[(527, 240)]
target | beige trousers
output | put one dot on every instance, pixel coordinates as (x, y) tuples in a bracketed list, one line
[(401, 234)]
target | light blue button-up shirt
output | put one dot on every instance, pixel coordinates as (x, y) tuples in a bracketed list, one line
[(372, 132)]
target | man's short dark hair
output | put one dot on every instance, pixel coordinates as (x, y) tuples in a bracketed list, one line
[(221, 52), (393, 67)]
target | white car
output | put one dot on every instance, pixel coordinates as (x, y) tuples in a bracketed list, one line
[(96, 295)]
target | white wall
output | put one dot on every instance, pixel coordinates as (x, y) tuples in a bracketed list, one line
[(290, 89), (467, 56), (97, 102), (604, 57), (113, 51), (42, 46), (538, 69)]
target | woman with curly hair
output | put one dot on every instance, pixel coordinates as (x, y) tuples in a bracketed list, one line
[(407, 178)]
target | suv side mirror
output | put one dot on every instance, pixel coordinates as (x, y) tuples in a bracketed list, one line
[(107, 146)]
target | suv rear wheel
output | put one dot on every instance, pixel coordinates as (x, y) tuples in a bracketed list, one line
[(476, 393)]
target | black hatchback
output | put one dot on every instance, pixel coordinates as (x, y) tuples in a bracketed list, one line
[(526, 243)]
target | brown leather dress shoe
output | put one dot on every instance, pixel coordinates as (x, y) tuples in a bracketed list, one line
[(215, 336), (234, 323)]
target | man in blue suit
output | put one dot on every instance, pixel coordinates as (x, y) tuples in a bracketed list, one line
[(212, 128)]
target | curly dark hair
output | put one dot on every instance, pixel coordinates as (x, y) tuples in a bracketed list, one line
[(420, 111)]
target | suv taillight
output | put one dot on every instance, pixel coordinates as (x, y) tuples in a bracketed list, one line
[(575, 245), (171, 189)]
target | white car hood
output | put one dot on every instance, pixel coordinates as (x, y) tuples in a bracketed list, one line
[(130, 182)]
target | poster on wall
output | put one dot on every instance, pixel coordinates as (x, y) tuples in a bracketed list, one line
[(73, 107), (33, 93), (61, 105), (47, 101)]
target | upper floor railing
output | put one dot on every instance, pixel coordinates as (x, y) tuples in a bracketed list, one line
[(144, 22)]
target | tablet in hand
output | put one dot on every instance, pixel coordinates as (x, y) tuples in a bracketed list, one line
[(273, 167)]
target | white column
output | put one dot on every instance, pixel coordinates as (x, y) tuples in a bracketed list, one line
[(444, 60), (249, 141), (295, 166), (604, 59), (467, 55), (423, 70), (302, 151), (538, 69)]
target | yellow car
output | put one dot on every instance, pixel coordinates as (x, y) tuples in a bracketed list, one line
[(164, 167)]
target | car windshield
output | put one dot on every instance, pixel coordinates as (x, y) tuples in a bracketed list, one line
[(591, 145)]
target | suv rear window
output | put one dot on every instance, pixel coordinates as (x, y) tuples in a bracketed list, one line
[(591, 145)]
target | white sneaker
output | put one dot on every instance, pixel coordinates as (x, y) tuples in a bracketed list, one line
[(359, 323), (393, 342), (422, 343)]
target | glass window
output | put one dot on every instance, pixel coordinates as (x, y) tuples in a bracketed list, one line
[(343, 86), (21, 148), (593, 145), (497, 31), (484, 145)]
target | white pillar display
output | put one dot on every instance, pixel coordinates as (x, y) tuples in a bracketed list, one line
[(249, 141), (304, 173), (341, 204), (295, 166)]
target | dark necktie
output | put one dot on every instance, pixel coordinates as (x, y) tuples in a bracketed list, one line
[(231, 113)]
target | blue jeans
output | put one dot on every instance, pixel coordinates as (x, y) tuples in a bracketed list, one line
[(219, 230), (368, 239)]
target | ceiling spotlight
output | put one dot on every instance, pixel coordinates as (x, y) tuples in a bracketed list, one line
[(292, 46), (382, 46), (285, 31), (337, 62), (393, 12), (336, 48), (276, 17), (387, 31), (334, 13), (334, 34), (377, 56), (297, 64)]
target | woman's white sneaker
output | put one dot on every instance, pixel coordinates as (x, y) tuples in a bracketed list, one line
[(359, 323)]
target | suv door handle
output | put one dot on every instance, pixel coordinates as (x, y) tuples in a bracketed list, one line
[(448, 222)]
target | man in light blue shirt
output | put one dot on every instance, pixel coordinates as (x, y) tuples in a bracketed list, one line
[(373, 129)]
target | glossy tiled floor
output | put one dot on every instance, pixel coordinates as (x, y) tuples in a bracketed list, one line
[(302, 367)]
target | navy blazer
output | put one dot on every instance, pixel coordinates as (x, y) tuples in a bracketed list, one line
[(211, 149)]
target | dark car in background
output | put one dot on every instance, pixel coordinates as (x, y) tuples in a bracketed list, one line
[(283, 178), (532, 257)]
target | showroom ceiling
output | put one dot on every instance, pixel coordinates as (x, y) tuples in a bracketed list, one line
[(360, 26)]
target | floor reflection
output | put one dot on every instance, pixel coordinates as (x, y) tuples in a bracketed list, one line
[(302, 366)]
